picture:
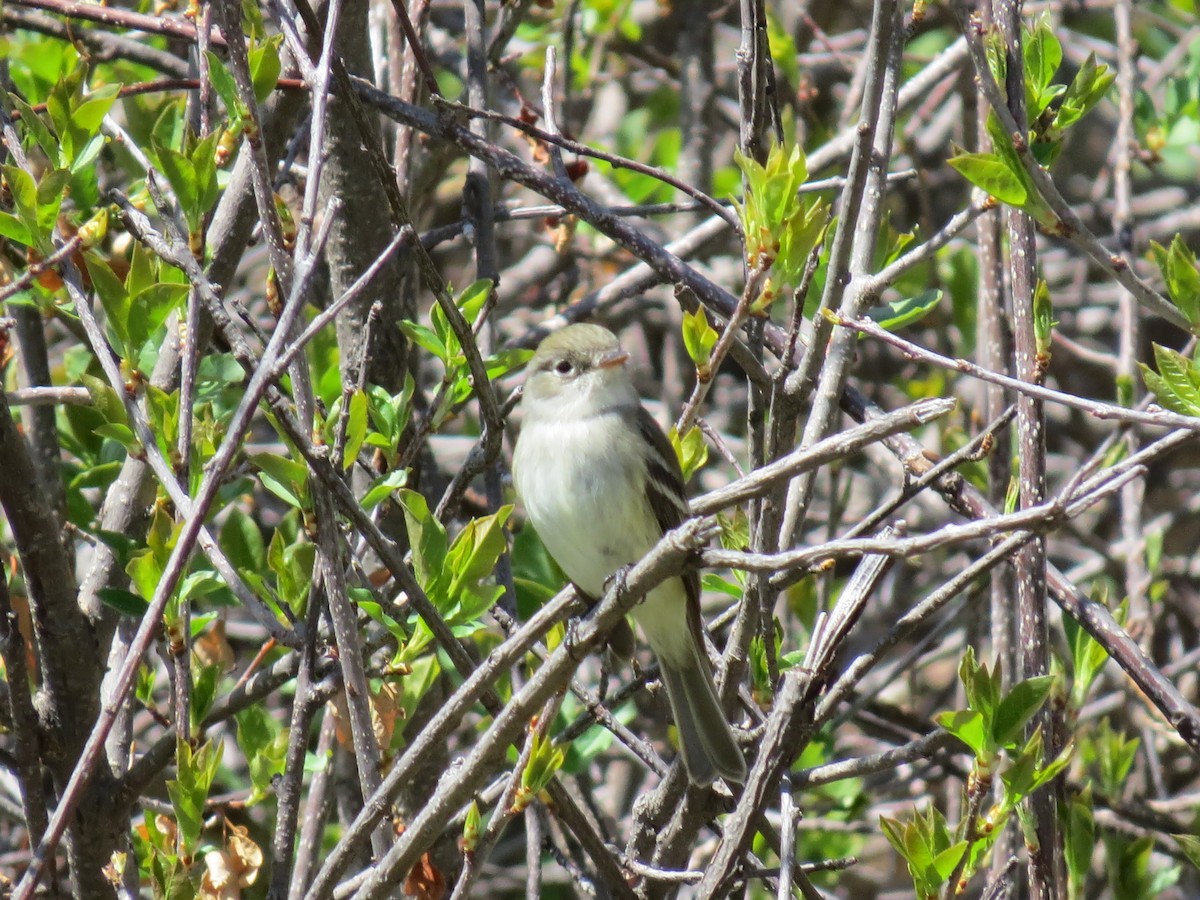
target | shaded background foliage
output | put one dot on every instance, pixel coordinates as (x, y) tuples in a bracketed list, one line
[(424, 194)]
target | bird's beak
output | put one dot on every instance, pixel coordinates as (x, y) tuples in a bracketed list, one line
[(613, 359)]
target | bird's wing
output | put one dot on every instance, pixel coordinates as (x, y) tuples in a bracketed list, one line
[(667, 495)]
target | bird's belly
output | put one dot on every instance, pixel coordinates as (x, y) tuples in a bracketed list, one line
[(590, 511)]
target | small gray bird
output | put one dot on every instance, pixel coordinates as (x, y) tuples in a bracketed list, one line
[(601, 484)]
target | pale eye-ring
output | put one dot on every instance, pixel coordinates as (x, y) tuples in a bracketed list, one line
[(562, 367)]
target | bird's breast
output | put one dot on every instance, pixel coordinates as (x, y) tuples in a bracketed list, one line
[(587, 502)]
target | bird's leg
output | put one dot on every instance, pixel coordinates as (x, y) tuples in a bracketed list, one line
[(618, 581), (571, 639)]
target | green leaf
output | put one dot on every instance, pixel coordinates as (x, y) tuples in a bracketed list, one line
[(143, 270), (384, 487), (35, 124), (898, 313), (1018, 707), (87, 117), (1088, 657), (192, 176), (1190, 845), (473, 299), (285, 478), (205, 681), (428, 540), (1113, 755), (1183, 280), (115, 301), (292, 562), (27, 201), (509, 360), (1079, 840), (945, 862), (125, 602), (265, 67), (105, 400), (356, 428), (189, 791), (1086, 89), (781, 228), (1177, 383), (699, 337), (1043, 55), (1043, 320), (981, 686), (163, 412), (199, 584), (691, 449), (225, 87), (426, 339), (15, 230), (50, 196), (122, 434), (472, 558), (23, 191), (264, 745), (204, 162), (180, 173), (994, 175), (968, 726), (544, 761)]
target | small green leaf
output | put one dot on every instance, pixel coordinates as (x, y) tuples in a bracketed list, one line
[(1183, 280), (699, 337), (969, 727), (691, 449), (225, 87), (1190, 845), (285, 478), (1043, 55), (265, 67), (50, 196), (33, 122), (899, 313), (119, 433), (383, 487), (472, 559), (1018, 707), (264, 745), (180, 174), (125, 602), (425, 338), (105, 400), (473, 299), (356, 428), (1043, 320), (24, 192), (946, 861), (195, 772), (1086, 89), (1079, 840), (1113, 754), (428, 540), (995, 176), (544, 761), (87, 116), (1177, 382), (205, 681), (1088, 657), (15, 230), (115, 301)]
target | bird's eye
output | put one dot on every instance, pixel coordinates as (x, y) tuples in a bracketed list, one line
[(562, 367)]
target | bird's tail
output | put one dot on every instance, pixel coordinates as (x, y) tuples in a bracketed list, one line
[(707, 742)]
